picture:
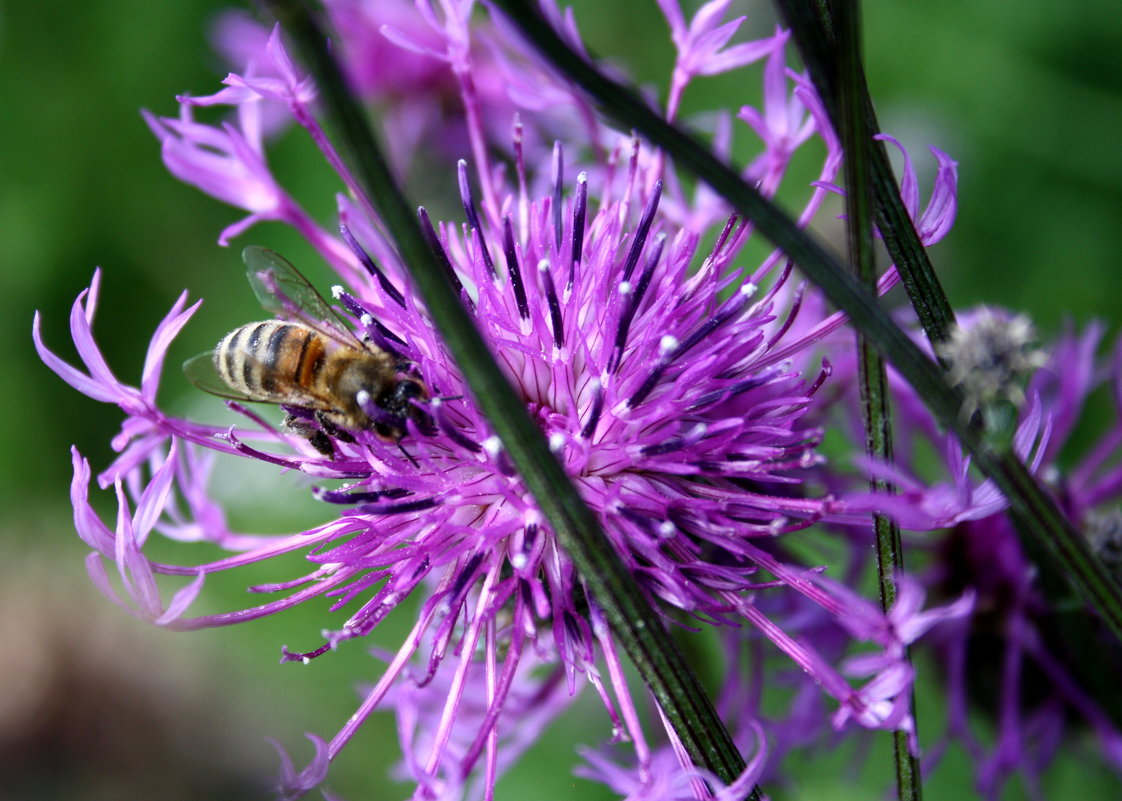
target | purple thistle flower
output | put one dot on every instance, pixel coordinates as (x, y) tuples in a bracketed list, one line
[(662, 375)]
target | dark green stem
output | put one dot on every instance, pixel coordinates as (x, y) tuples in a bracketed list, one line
[(813, 31), (634, 623), (872, 376), (1034, 508)]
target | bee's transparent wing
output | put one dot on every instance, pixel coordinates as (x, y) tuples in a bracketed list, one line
[(201, 372), (285, 292)]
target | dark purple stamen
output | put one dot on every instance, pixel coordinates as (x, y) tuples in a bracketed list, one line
[(396, 508), (554, 304), (376, 327), (472, 215), (350, 301), (529, 537), (513, 270), (690, 438), (595, 412), (633, 302), (345, 497), (580, 209), (573, 627), (642, 231), (382, 337), (465, 576), (387, 286), (451, 431), (293, 656), (558, 181), (526, 593), (378, 333), (740, 387), (441, 256), (421, 568), (729, 309), (640, 519)]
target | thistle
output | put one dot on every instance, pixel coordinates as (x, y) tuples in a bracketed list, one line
[(674, 384)]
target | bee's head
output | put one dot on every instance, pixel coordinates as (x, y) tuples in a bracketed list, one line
[(398, 402)]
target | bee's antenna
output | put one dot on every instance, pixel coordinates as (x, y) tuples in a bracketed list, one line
[(408, 455)]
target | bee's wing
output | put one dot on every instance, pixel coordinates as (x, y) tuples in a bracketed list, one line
[(201, 372), (285, 292)]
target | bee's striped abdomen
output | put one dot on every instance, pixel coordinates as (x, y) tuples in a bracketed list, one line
[(268, 360)]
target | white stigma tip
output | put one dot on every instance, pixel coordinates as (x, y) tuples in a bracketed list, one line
[(366, 320), (748, 289), (543, 266), (556, 441), (625, 287), (668, 343), (336, 291), (493, 446), (363, 397), (582, 177), (518, 561), (461, 164), (666, 529)]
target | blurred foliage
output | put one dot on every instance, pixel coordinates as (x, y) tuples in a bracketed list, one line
[(1027, 98)]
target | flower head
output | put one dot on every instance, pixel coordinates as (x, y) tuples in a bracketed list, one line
[(661, 370), (990, 356)]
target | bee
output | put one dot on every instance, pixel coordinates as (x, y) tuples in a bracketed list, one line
[(311, 361)]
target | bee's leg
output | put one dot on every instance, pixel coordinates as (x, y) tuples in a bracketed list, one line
[(316, 437), (330, 429)]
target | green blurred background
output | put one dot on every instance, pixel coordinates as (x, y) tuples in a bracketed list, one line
[(1026, 97)]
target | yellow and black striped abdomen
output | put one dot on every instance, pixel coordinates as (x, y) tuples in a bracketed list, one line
[(272, 361)]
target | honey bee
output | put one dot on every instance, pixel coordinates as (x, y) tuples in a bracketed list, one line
[(311, 361)]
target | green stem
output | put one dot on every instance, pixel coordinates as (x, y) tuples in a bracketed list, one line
[(873, 378), (1029, 503), (634, 623)]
